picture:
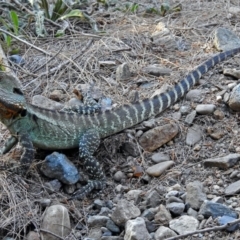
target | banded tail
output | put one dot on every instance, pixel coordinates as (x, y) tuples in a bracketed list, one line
[(129, 115)]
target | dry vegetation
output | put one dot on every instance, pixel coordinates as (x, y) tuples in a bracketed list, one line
[(78, 56)]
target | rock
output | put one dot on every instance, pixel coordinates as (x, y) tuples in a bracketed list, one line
[(157, 169), (57, 221), (195, 194), (171, 193), (97, 221), (123, 72), (163, 216), (153, 199), (176, 208), (163, 233), (235, 73), (234, 99), (105, 211), (94, 233), (56, 95), (192, 212), (224, 39), (134, 195), (157, 70), (205, 108), (226, 219), (17, 59), (194, 135), (233, 188), (158, 136), (69, 189), (112, 226), (223, 162), (131, 149), (136, 230), (194, 95), (124, 211), (184, 224), (211, 209), (184, 110), (98, 204), (190, 117), (149, 213), (52, 186), (58, 166), (44, 102), (160, 157), (174, 199), (119, 176)]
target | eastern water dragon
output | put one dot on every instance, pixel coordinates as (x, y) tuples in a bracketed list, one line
[(34, 126)]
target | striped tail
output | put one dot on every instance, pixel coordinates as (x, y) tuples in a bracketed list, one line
[(129, 115)]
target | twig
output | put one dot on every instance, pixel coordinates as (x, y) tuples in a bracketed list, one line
[(25, 42), (216, 228)]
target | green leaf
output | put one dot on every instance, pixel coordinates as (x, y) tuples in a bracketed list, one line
[(8, 40), (74, 13), (14, 19)]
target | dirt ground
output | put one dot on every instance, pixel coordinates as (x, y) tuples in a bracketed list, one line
[(126, 37)]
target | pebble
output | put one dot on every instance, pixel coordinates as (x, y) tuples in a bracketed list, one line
[(185, 110), (233, 188), (184, 224), (205, 108), (194, 95), (223, 162), (194, 135), (162, 216), (97, 221), (160, 157), (164, 233), (157, 70), (53, 186), (153, 199), (136, 230), (157, 169), (119, 176), (176, 208), (234, 99), (218, 114), (134, 195), (190, 117), (123, 72)]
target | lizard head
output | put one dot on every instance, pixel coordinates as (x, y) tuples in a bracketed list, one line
[(12, 100)]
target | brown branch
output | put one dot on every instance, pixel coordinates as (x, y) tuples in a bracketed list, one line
[(216, 228)]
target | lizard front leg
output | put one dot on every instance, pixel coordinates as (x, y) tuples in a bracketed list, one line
[(88, 144), (28, 152)]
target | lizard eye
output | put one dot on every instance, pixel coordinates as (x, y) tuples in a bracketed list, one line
[(17, 91)]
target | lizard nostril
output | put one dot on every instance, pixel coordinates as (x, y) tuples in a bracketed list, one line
[(17, 91)]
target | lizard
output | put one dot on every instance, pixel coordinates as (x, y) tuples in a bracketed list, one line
[(36, 127)]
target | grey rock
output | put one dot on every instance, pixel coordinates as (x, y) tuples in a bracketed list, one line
[(234, 10), (112, 226), (69, 189), (185, 110), (174, 199), (53, 186), (233, 188), (119, 176), (194, 95), (232, 72), (195, 194), (95, 233), (157, 169), (123, 72), (194, 135), (111, 238), (58, 166), (192, 212), (163, 233), (56, 220), (136, 230), (30, 236), (153, 199), (134, 195), (163, 216), (160, 157), (175, 208), (105, 211), (190, 117), (131, 149), (98, 204), (234, 99), (210, 209), (124, 211), (184, 224), (97, 221), (205, 108), (224, 39), (173, 193), (149, 213), (223, 162)]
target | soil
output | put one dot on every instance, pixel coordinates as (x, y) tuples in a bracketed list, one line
[(126, 37)]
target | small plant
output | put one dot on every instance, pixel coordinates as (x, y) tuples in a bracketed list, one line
[(12, 26)]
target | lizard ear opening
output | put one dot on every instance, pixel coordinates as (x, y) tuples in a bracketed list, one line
[(17, 91)]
